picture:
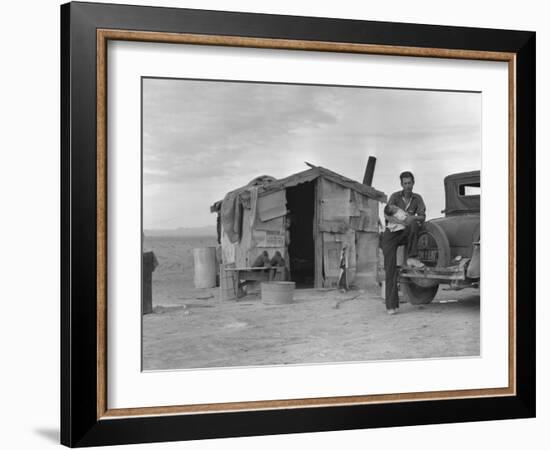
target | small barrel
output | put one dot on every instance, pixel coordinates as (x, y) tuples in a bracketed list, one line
[(278, 292), (147, 282), (205, 267)]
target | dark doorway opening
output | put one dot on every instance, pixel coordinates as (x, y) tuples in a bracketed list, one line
[(300, 201)]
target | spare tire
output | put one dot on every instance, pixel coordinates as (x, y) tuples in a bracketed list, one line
[(433, 245), (434, 250)]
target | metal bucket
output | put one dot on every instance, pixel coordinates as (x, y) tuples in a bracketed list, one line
[(278, 292), (205, 267)]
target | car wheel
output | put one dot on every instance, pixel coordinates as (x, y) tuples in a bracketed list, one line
[(418, 295), (434, 250), (433, 245)]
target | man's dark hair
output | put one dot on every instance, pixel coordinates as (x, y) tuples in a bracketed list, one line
[(406, 174), (387, 210)]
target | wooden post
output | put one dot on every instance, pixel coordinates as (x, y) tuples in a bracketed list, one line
[(317, 235), (227, 282)]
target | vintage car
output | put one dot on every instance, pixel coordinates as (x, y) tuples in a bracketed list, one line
[(448, 246)]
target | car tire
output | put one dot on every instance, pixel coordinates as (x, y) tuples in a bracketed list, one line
[(418, 295), (442, 242), (421, 292)]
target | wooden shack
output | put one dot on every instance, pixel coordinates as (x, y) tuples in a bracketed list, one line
[(313, 218)]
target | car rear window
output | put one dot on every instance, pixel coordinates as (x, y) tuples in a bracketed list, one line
[(469, 189)]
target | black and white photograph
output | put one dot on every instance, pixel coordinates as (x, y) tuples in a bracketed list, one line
[(288, 224), (242, 225)]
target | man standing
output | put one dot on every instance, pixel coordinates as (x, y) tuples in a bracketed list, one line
[(404, 234)]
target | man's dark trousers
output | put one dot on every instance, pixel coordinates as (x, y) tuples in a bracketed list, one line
[(390, 242)]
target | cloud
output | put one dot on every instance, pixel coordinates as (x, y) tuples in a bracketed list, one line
[(192, 128), (204, 138)]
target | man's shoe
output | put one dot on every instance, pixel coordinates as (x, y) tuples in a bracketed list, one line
[(414, 262), (391, 312)]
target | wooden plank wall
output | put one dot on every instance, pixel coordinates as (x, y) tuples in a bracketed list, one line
[(367, 260), (357, 229)]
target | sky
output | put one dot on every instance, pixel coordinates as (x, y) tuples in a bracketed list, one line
[(202, 139)]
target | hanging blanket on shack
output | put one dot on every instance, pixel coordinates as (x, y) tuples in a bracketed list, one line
[(232, 216), (233, 203)]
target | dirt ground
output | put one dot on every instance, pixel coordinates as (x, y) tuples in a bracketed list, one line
[(198, 330), (192, 328)]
